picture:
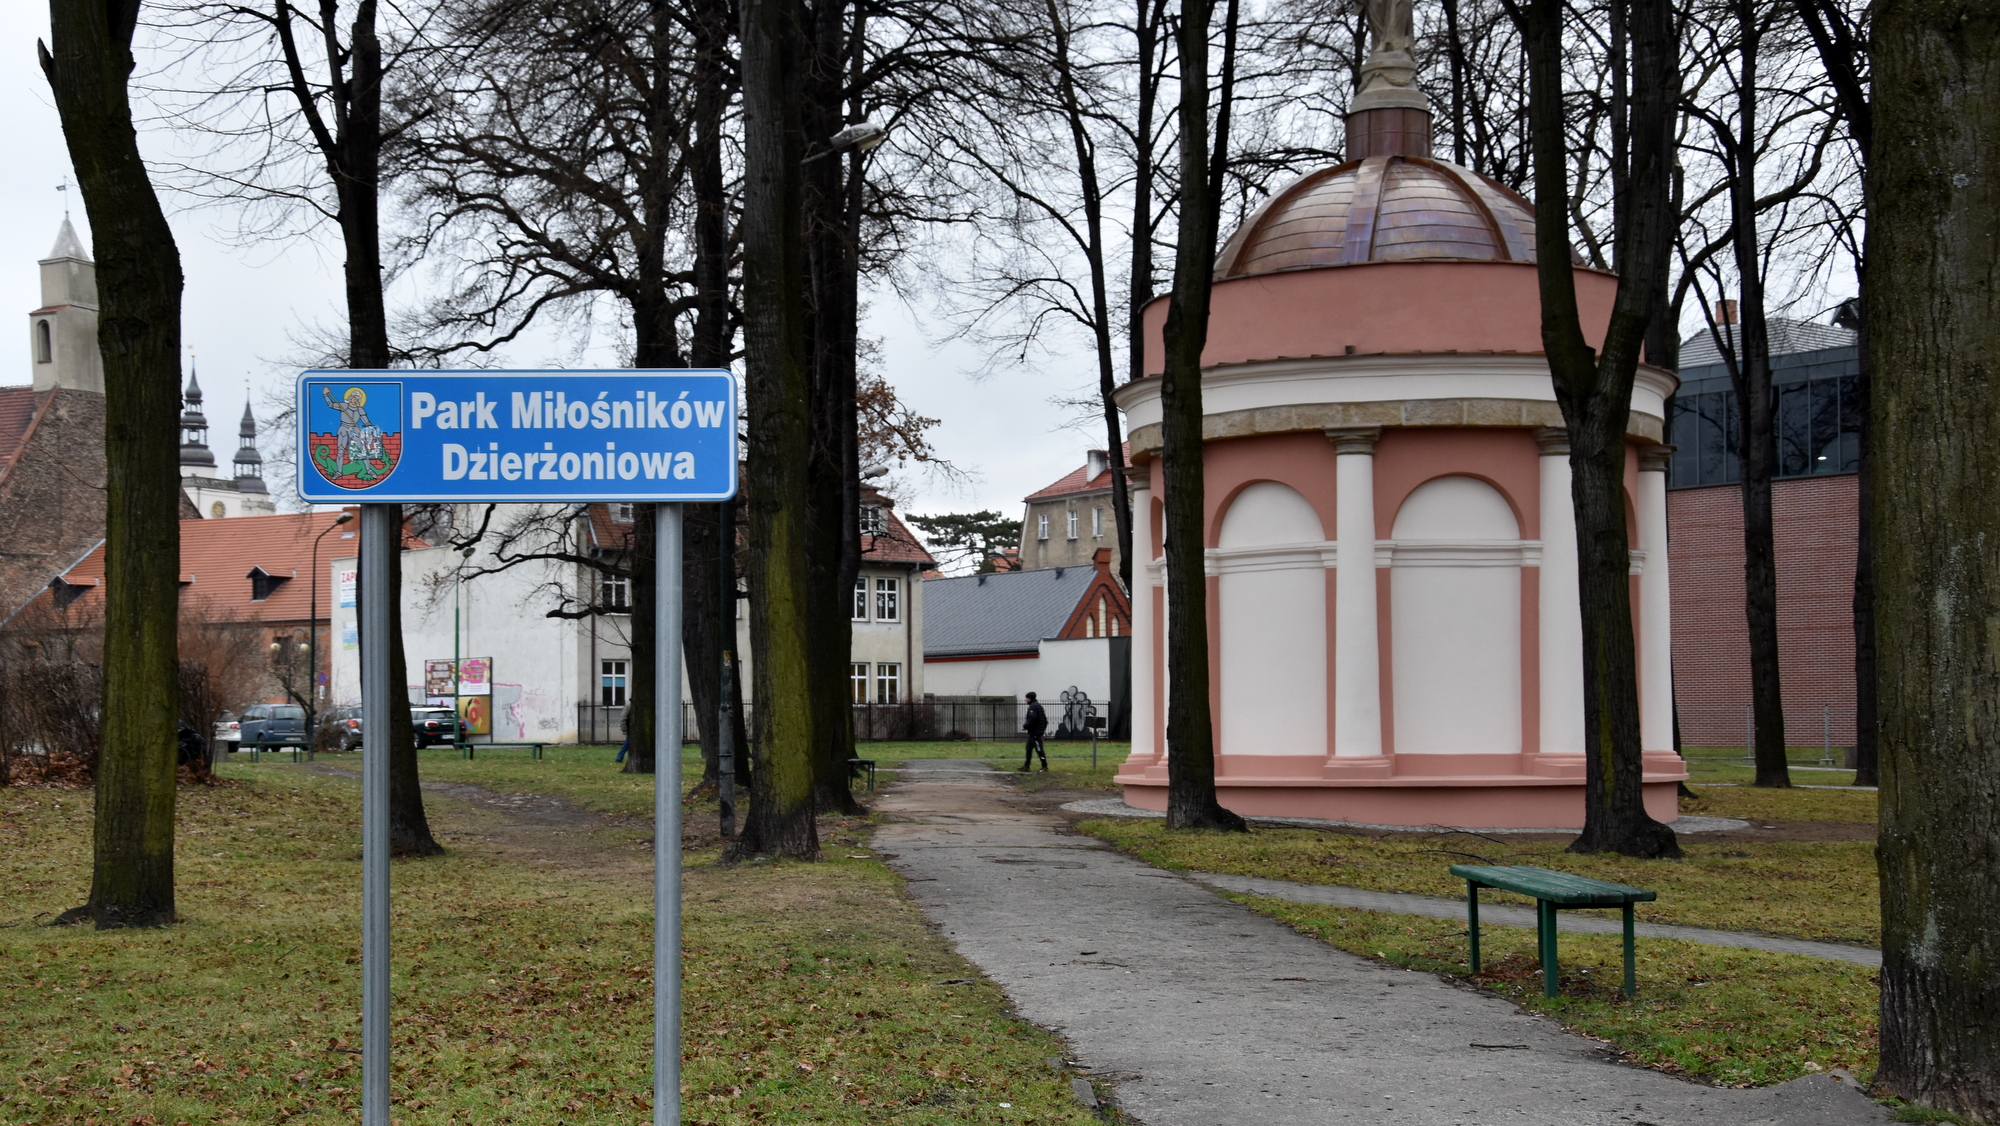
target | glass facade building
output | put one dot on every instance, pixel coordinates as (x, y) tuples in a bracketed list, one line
[(1818, 423)]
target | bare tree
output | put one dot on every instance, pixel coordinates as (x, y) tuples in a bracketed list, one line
[(1191, 798), (1594, 386), (297, 101), (139, 286), (1839, 36), (781, 818)]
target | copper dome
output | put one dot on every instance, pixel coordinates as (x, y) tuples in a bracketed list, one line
[(1382, 209)]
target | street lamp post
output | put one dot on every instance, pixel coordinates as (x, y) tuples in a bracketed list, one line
[(312, 632)]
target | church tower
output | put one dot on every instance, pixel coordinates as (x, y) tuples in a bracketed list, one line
[(215, 496), (62, 334), (249, 463), (196, 460)]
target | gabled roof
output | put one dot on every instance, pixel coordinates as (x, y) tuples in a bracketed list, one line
[(218, 556), (895, 546), (1006, 612), (1074, 482)]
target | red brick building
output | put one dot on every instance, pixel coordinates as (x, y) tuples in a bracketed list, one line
[(1814, 504)]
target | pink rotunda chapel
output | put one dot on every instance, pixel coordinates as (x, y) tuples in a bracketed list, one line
[(1391, 553)]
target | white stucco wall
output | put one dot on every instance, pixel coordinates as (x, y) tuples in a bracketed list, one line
[(1008, 678), (1270, 562), (1084, 663), (1455, 607), (542, 666)]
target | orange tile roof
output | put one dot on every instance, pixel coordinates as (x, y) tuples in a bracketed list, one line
[(1073, 482), (898, 545), (217, 557)]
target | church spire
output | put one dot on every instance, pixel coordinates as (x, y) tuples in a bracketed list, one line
[(195, 456), (249, 463)]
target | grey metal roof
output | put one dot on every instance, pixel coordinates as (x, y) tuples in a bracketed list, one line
[(1787, 337), (1009, 612)]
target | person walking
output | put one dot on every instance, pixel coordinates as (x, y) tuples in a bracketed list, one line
[(1037, 722)]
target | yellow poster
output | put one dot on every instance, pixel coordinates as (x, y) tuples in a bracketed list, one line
[(476, 712)]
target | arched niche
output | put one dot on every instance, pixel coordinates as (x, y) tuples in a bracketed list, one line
[(1455, 613), (1270, 559)]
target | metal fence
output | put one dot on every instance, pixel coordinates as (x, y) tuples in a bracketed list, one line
[(1808, 724), (931, 720)]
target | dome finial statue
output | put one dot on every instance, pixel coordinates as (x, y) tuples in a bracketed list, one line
[(1389, 77)]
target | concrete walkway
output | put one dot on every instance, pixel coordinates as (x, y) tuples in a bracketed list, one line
[(1501, 915), (1206, 1014)]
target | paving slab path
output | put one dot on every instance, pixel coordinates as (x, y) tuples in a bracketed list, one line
[(1206, 1014)]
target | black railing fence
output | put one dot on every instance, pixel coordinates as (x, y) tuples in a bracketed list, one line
[(1808, 724), (931, 720)]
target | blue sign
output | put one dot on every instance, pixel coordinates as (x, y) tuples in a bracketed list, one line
[(390, 436)]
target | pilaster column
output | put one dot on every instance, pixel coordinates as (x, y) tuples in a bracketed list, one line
[(1145, 731), (1656, 639), (1357, 651), (1561, 612)]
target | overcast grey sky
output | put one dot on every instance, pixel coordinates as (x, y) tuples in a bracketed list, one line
[(243, 308)]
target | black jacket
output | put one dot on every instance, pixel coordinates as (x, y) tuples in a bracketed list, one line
[(1038, 720)]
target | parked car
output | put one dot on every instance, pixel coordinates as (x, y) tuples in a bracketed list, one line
[(271, 723), (340, 729), (224, 737), (436, 725)]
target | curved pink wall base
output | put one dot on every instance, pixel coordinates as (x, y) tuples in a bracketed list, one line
[(1474, 791)]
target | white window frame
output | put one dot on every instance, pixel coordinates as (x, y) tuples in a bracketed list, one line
[(1042, 526), (857, 681), (1097, 523), (614, 593), (622, 512), (888, 682), (613, 683), (1072, 524), (860, 606), (888, 600)]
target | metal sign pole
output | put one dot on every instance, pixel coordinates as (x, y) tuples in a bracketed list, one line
[(381, 536), (543, 436), (667, 816)]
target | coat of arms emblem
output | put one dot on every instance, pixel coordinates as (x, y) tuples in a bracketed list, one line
[(355, 432)]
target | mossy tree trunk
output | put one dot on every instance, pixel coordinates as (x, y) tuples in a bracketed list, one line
[(1594, 390), (1191, 800), (1933, 316), (139, 289), (781, 817)]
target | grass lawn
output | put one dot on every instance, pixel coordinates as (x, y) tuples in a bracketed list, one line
[(1763, 807), (1823, 890), (1720, 1015), (1727, 764), (523, 994)]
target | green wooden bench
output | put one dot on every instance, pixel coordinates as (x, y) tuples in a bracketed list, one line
[(1552, 892), (470, 750), (855, 766)]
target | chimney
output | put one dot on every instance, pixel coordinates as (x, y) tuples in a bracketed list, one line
[(1094, 464), (1101, 559), (1725, 312)]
